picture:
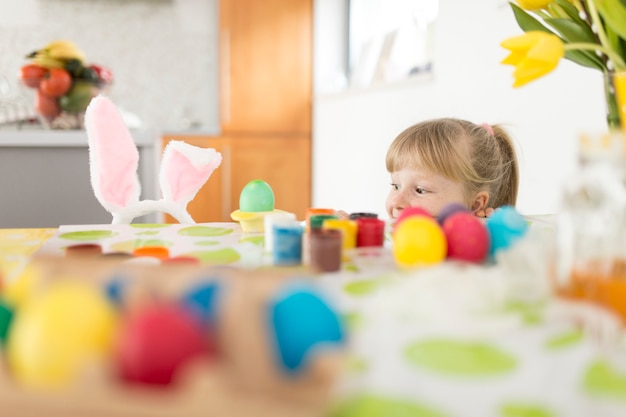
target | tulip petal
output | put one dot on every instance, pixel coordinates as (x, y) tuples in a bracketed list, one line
[(533, 54)]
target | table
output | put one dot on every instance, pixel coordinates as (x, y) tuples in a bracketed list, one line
[(450, 341)]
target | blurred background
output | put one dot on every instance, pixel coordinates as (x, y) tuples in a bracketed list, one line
[(356, 71)]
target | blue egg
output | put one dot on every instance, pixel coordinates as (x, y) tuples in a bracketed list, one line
[(448, 210), (201, 300), (302, 320), (506, 226), (115, 288)]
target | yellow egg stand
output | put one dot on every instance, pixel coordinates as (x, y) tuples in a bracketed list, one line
[(256, 201)]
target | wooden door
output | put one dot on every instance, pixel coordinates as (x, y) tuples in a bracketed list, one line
[(283, 162), (266, 66)]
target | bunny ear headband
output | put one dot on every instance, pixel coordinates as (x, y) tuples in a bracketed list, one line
[(113, 163)]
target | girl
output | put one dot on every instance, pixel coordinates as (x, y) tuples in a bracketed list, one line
[(442, 161)]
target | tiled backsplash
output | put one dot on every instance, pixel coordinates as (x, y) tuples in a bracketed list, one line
[(163, 53)]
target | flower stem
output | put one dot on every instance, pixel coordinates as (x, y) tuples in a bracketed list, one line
[(612, 108), (597, 24), (617, 60)]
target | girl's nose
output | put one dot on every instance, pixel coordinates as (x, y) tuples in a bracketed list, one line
[(399, 201)]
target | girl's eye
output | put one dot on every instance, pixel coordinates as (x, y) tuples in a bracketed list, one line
[(420, 190), (395, 187)]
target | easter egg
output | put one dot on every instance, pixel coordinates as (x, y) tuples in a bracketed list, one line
[(257, 195), (17, 291), (201, 300), (449, 210), (6, 315), (467, 237), (411, 211), (156, 340), (302, 320), (506, 226), (418, 241), (54, 334)]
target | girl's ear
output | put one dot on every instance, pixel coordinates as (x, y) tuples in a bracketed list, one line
[(479, 202)]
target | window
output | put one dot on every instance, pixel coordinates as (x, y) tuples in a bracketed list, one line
[(390, 40)]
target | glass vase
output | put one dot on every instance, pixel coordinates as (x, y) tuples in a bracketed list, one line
[(591, 225), (615, 96)]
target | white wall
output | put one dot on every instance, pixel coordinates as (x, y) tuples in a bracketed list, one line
[(351, 131)]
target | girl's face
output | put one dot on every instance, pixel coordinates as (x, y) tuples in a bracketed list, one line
[(414, 187)]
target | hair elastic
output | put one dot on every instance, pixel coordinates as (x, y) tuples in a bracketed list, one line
[(488, 128)]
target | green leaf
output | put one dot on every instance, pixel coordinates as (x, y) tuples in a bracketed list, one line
[(616, 43), (572, 12), (570, 31), (614, 14), (526, 21), (586, 59)]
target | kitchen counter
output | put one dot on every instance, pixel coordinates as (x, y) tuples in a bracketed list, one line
[(45, 181)]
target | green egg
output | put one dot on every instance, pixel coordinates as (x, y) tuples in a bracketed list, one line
[(256, 196)]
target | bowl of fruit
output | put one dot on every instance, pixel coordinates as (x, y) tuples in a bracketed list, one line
[(64, 83)]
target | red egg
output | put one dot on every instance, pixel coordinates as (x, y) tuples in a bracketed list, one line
[(467, 236), (410, 212), (157, 340)]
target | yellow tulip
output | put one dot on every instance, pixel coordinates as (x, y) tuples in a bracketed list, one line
[(533, 4), (533, 54)]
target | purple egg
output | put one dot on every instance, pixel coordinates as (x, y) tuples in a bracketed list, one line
[(449, 210)]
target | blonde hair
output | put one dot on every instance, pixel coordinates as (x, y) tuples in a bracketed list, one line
[(481, 157)]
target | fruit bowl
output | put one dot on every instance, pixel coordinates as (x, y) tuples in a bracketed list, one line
[(64, 84)]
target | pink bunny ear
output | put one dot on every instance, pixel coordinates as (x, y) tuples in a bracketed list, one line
[(113, 156), (184, 170)]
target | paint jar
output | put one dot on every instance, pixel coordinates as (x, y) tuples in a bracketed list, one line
[(287, 242), (370, 232), (316, 220), (315, 211), (348, 230), (325, 250), (269, 222), (354, 216)]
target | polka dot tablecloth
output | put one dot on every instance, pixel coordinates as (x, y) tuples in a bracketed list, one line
[(448, 341)]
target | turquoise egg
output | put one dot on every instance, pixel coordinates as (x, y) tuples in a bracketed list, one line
[(256, 196)]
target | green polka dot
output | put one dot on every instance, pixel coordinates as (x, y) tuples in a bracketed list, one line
[(353, 320), (124, 246), (532, 313), (524, 410), (257, 240), (88, 235), (356, 365), (207, 243), (350, 267), (150, 225), (564, 340), (148, 233), (363, 287), (600, 379), (222, 256), (141, 243), (204, 231), (377, 406), (460, 358)]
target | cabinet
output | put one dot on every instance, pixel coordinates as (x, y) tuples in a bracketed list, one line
[(266, 66), (265, 100), (284, 162)]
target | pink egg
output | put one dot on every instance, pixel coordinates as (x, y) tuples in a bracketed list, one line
[(410, 212), (467, 236)]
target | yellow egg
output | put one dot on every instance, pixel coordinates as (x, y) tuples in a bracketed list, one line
[(419, 240), (54, 334), (20, 289)]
